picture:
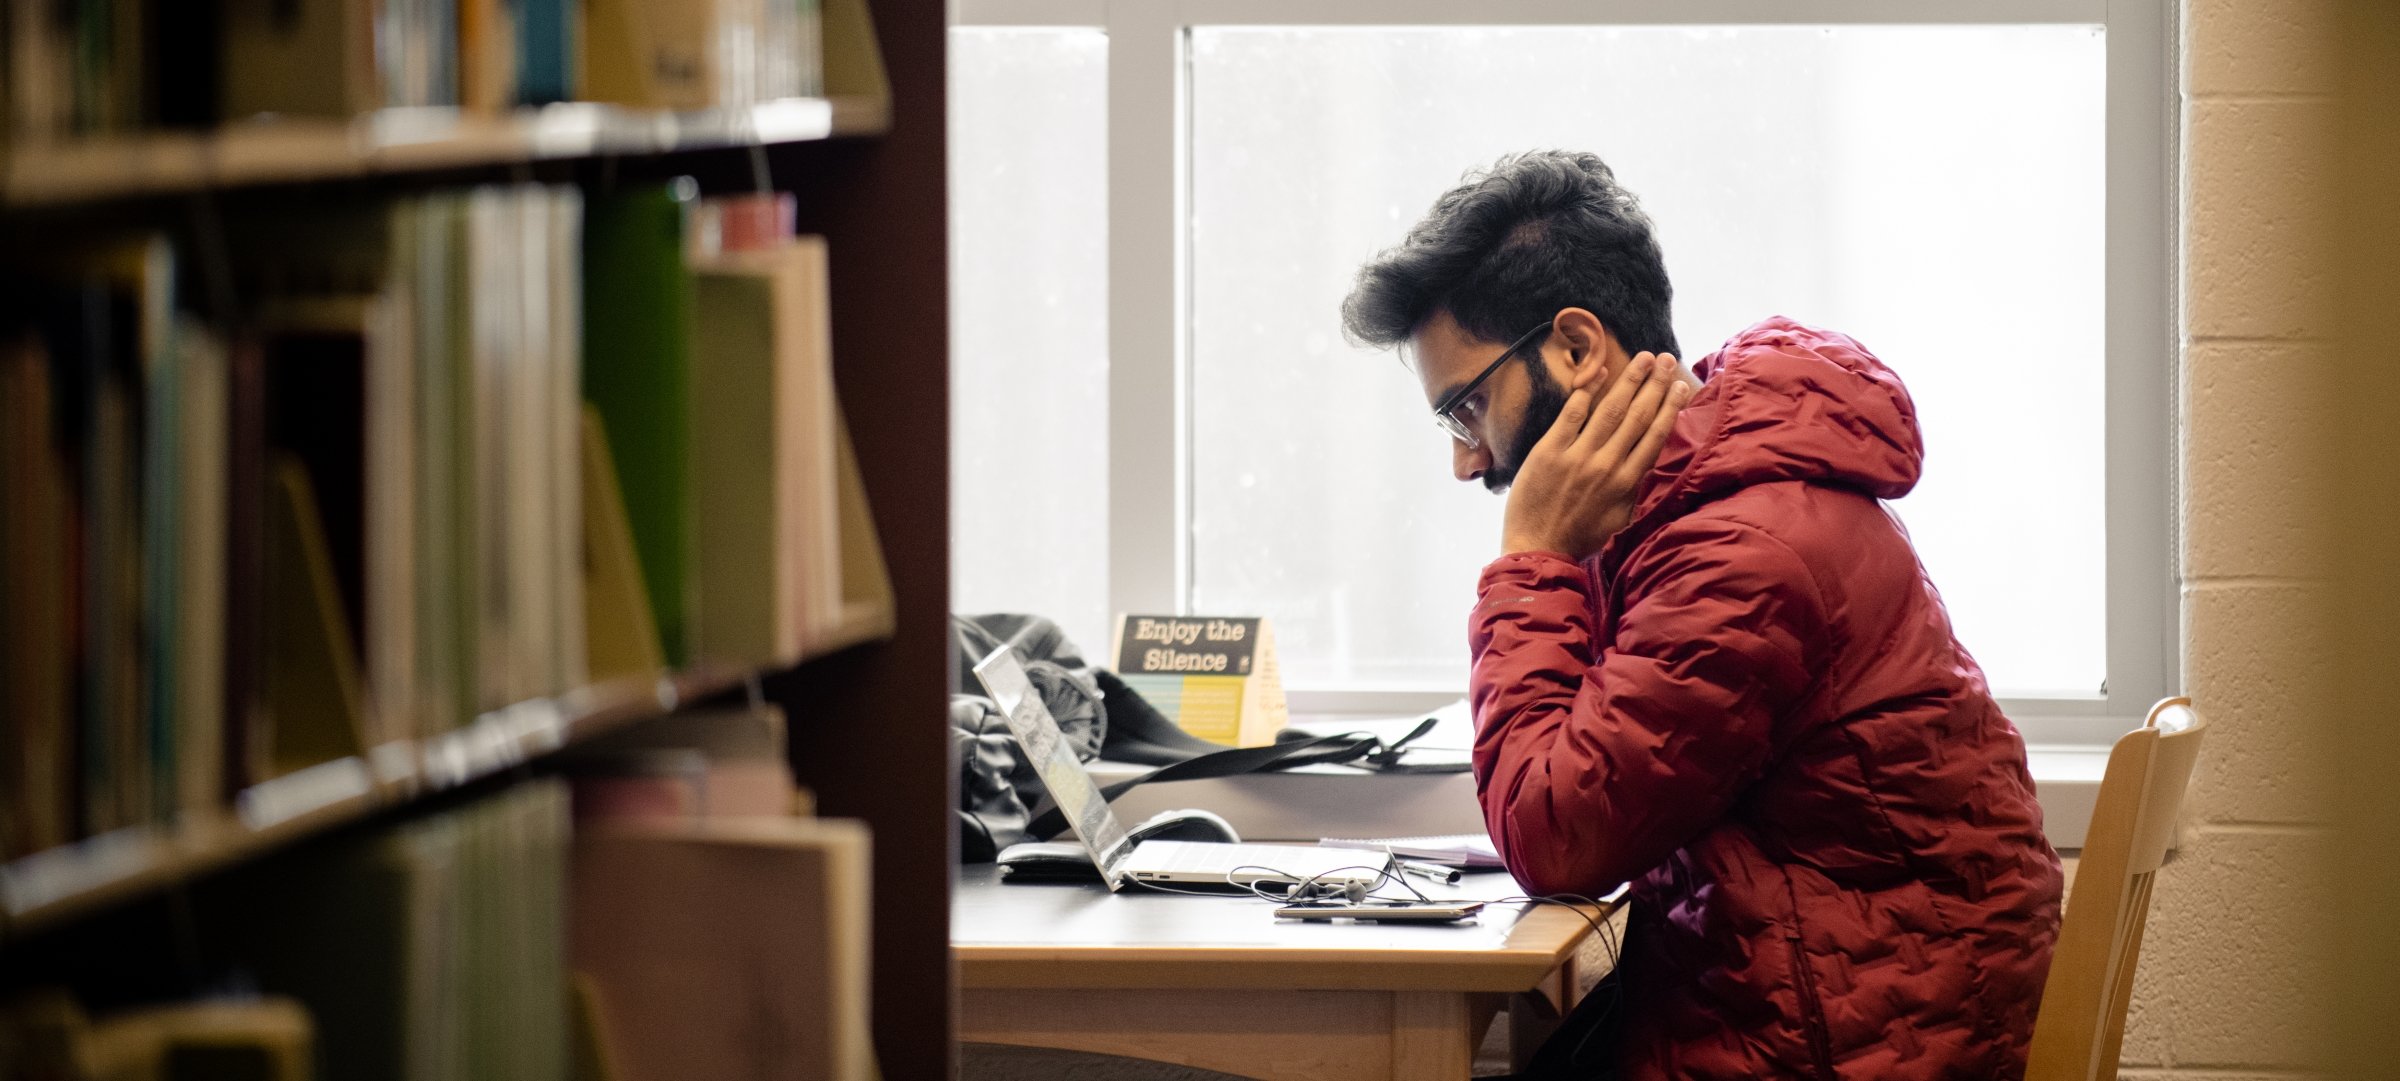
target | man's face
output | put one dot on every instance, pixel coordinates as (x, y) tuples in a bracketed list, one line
[(1507, 413)]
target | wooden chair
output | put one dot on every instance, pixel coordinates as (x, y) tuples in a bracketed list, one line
[(2082, 1023)]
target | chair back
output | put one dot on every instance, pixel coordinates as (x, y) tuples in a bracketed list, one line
[(2081, 1028)]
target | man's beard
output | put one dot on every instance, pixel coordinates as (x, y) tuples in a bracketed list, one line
[(1542, 407)]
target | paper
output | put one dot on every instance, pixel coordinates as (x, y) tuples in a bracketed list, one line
[(1471, 851)]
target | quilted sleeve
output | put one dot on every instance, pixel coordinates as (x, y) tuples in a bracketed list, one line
[(1595, 760)]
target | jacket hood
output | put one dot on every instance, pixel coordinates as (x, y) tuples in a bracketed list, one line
[(1783, 401)]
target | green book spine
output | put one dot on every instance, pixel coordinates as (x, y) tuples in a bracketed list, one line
[(637, 340), (435, 224), (162, 541)]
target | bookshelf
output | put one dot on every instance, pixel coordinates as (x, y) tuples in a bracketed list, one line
[(866, 701), (400, 141), (57, 885)]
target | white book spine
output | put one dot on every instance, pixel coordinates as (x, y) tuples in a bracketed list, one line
[(391, 433), (532, 491), (492, 335), (200, 698), (566, 425)]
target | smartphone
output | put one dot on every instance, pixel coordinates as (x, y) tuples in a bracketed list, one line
[(1410, 911)]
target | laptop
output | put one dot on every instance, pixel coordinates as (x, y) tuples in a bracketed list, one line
[(1123, 861)]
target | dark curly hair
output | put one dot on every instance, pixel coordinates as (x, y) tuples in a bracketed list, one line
[(1509, 247)]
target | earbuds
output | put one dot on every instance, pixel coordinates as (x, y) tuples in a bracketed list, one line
[(1352, 891)]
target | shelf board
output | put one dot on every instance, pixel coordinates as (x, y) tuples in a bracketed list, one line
[(57, 884), (390, 141)]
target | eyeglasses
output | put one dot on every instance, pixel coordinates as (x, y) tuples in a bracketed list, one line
[(1445, 414)]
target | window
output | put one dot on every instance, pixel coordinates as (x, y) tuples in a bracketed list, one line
[(1982, 201), (1028, 297)]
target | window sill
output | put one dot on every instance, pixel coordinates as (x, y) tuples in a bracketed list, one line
[(2066, 779)]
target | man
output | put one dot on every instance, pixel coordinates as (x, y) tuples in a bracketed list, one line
[(1708, 661)]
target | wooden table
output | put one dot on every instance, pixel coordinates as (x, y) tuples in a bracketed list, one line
[(1221, 984)]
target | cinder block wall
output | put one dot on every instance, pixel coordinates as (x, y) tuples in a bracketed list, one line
[(2228, 966)]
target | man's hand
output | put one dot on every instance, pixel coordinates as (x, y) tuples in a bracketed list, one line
[(1576, 488)]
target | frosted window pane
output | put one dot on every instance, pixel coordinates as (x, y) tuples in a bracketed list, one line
[(1936, 192), (1029, 326)]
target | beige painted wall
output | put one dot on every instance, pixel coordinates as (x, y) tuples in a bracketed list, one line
[(2228, 965)]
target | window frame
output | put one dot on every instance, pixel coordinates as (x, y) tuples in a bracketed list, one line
[(1149, 252)]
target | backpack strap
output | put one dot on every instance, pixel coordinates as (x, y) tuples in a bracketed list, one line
[(1235, 761)]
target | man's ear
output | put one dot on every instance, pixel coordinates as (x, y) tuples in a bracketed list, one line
[(1585, 337)]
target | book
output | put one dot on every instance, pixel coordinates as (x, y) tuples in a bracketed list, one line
[(430, 238), (488, 55), (202, 569), (494, 350), (434, 949), (549, 46), (263, 1039), (694, 764), (391, 554), (850, 65), (312, 696), (301, 59), (698, 54), (520, 482), (621, 636), (673, 54), (866, 598), (593, 1057), (111, 548), (142, 271), (787, 63), (89, 53), (40, 59), (330, 396), (645, 785), (756, 221), (763, 456), (764, 373), (351, 516), (91, 329), (325, 356), (727, 949), (46, 1033), (249, 728), (637, 334), (545, 386), (38, 728), (560, 390), (451, 491)]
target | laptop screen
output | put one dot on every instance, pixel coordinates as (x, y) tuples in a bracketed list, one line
[(1088, 816)]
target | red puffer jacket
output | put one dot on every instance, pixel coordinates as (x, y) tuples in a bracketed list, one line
[(1750, 704)]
